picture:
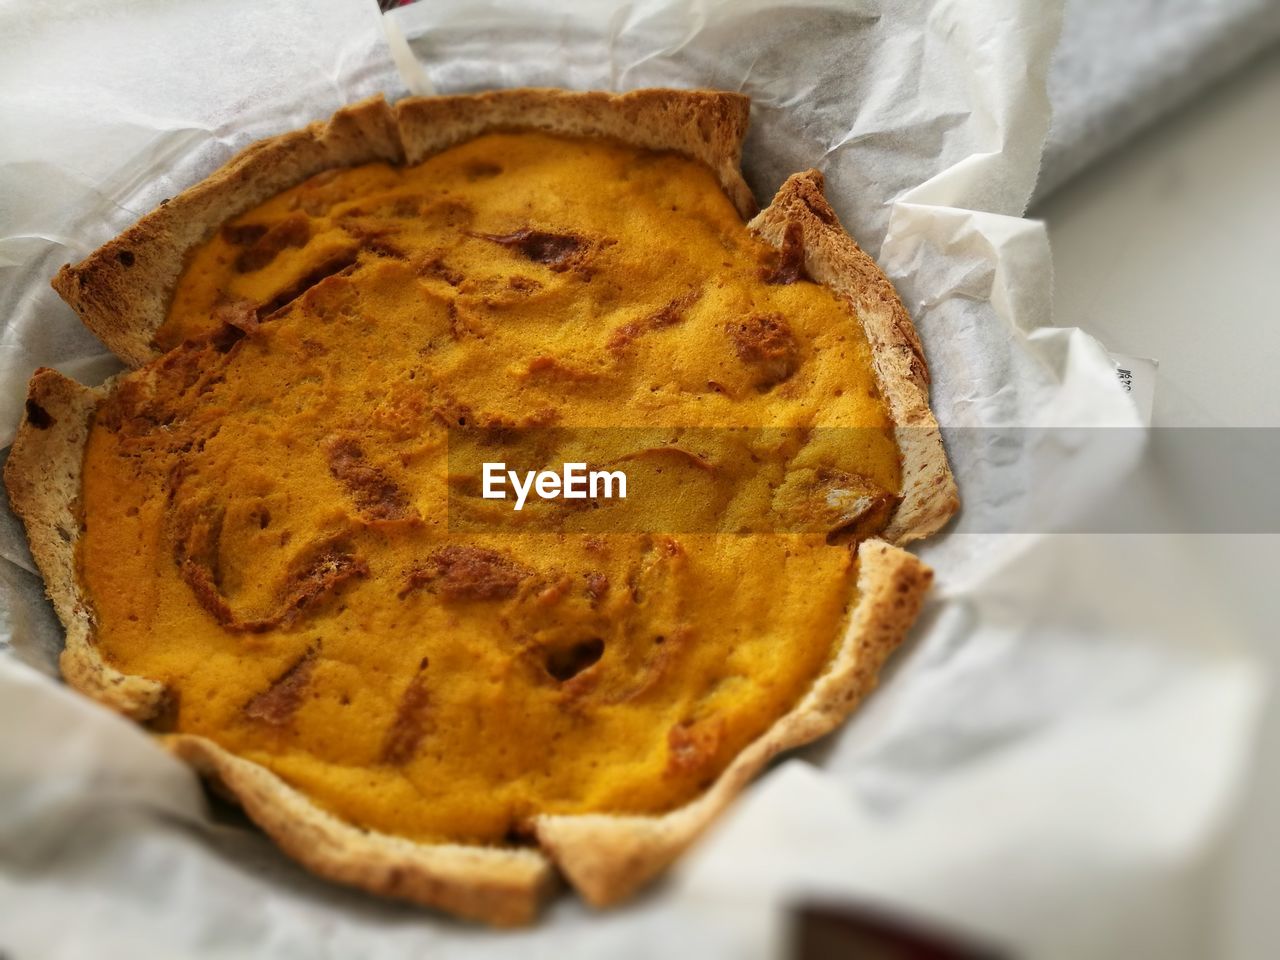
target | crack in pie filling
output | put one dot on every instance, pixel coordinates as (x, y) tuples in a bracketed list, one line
[(263, 535)]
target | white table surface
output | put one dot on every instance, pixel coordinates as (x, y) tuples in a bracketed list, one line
[(1171, 249)]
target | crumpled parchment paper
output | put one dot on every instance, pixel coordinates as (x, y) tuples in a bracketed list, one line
[(1122, 64), (1053, 753)]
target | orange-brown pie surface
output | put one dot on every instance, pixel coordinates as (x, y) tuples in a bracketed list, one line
[(266, 506)]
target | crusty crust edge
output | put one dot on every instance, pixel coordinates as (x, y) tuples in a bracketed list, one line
[(706, 125), (833, 258), (42, 476), (605, 857), (122, 290), (503, 887)]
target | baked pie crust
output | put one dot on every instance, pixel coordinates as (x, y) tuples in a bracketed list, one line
[(129, 293)]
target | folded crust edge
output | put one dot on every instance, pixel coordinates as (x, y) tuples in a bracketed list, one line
[(833, 258)]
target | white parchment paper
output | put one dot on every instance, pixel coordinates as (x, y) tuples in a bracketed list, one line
[(1053, 754)]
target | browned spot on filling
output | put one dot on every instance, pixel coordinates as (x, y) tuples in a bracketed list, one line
[(243, 234), (692, 746), (789, 265), (238, 317), (338, 264), (412, 721), (363, 229), (550, 367), (457, 328), (376, 495), (322, 571), (385, 248), (765, 343), (144, 412), (331, 568), (292, 231), (195, 551), (559, 251), (452, 213), (435, 266), (480, 170), (597, 586), (670, 314), (278, 703), (402, 207), (468, 573)]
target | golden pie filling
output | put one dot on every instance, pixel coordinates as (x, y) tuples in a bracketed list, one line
[(267, 523)]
